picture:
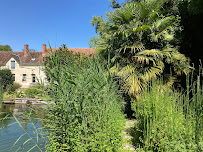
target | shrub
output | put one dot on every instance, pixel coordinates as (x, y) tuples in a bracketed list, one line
[(20, 94), (6, 96), (11, 88), (33, 91), (87, 113), (6, 78), (16, 86)]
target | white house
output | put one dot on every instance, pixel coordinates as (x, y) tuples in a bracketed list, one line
[(27, 67)]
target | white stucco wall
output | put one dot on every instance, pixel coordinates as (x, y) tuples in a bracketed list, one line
[(28, 70)]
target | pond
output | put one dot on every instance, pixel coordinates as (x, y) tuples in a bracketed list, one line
[(23, 135)]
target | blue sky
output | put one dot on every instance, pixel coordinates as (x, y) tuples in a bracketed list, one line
[(35, 22)]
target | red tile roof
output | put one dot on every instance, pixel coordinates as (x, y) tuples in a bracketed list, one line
[(36, 57), (86, 51)]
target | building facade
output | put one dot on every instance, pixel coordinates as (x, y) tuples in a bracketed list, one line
[(27, 67)]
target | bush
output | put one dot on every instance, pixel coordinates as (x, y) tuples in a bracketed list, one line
[(20, 94), (87, 113), (6, 78), (33, 91), (16, 86), (11, 88)]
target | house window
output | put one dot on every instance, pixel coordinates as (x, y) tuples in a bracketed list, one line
[(14, 78), (24, 79), (12, 64), (33, 78)]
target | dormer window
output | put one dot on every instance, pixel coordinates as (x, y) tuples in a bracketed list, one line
[(12, 64)]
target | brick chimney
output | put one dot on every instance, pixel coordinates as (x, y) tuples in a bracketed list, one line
[(25, 49), (43, 49)]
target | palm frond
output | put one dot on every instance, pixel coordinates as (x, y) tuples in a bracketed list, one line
[(144, 59), (157, 54)]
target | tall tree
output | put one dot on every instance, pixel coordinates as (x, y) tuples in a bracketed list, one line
[(5, 48), (140, 40)]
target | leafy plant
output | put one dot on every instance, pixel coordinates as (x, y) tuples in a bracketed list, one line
[(20, 94), (33, 91), (140, 39), (87, 113)]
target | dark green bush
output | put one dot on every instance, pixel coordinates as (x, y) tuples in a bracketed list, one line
[(6, 78), (87, 113), (13, 87)]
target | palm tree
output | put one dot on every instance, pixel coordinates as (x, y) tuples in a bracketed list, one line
[(139, 38)]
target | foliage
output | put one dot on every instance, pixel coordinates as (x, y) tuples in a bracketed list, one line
[(6, 96), (114, 4), (191, 12), (6, 78), (64, 57), (87, 113), (29, 50), (195, 6), (5, 48), (168, 120), (140, 39), (16, 86), (13, 87), (93, 42), (34, 91), (1, 93), (20, 94)]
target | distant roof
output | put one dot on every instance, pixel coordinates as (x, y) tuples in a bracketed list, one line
[(36, 57), (86, 51), (19, 56)]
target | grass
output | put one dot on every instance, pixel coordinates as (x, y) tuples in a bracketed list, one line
[(87, 113), (169, 120)]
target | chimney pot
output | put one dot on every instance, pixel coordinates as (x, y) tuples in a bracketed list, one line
[(25, 49), (43, 49)]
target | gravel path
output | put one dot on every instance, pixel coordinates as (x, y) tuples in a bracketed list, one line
[(127, 137)]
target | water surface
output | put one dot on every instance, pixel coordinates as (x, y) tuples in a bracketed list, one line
[(12, 134)]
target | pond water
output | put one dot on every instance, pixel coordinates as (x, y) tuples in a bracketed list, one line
[(23, 135)]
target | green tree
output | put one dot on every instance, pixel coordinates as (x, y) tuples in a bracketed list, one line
[(140, 40), (6, 78), (93, 42), (5, 48)]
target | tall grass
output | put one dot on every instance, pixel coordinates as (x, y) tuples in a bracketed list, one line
[(1, 93), (86, 114), (169, 120)]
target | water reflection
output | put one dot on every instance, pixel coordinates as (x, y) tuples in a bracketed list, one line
[(10, 130)]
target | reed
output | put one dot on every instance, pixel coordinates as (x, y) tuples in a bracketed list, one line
[(86, 114), (170, 120), (1, 93)]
